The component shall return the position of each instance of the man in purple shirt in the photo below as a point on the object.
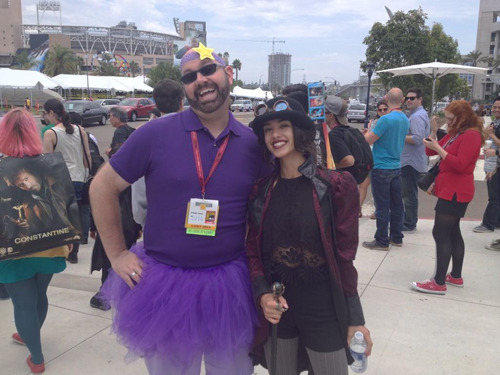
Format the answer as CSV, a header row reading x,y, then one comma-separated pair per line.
x,y
185,291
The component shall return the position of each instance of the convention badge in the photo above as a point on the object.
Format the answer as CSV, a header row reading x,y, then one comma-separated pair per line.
x,y
202,216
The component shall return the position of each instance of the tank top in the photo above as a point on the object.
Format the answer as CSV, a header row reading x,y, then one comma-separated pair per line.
x,y
70,146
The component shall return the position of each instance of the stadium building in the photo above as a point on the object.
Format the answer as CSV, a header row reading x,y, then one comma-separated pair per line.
x,y
119,45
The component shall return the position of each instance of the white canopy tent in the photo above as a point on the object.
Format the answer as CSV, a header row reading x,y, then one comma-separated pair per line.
x,y
24,79
257,93
108,83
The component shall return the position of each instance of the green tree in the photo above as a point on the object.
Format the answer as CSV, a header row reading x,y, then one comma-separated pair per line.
x,y
406,40
134,68
164,70
106,69
60,60
237,82
236,66
23,61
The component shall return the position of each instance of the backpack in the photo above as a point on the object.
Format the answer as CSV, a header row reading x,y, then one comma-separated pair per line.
x,y
361,151
95,156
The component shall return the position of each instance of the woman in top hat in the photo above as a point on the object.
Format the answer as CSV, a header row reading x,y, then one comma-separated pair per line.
x,y
303,233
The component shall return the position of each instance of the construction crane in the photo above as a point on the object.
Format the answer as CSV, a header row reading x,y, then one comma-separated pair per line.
x,y
263,41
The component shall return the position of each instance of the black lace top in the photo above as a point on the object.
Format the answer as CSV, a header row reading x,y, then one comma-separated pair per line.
x,y
292,250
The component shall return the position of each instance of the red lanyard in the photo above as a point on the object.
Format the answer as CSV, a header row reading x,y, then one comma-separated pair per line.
x,y
199,166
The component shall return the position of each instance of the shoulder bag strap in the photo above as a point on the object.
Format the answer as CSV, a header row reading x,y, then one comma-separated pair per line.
x,y
56,137
83,148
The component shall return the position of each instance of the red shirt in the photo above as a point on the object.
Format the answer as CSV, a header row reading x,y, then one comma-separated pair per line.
x,y
456,171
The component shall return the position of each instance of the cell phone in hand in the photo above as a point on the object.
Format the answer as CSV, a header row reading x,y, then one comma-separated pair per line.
x,y
428,139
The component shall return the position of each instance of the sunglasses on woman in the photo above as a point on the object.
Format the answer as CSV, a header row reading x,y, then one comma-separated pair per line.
x,y
206,71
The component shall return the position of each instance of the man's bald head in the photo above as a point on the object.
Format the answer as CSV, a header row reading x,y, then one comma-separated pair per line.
x,y
395,97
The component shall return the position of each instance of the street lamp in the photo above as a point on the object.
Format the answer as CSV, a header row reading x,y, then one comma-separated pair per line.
x,y
87,70
370,65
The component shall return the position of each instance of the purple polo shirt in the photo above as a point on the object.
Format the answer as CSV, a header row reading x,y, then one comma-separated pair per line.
x,y
162,152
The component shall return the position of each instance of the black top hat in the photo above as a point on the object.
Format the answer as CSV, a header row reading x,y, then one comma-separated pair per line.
x,y
283,108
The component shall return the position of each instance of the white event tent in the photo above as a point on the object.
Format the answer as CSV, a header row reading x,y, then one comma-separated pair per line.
x,y
257,93
24,79
108,83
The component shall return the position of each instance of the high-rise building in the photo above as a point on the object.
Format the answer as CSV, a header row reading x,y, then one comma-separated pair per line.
x,y
10,30
488,43
280,68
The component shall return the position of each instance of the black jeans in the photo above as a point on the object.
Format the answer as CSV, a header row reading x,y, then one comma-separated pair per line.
x,y
491,214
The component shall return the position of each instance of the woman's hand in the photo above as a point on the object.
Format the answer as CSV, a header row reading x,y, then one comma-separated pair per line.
x,y
489,152
431,143
272,309
366,333
430,190
434,125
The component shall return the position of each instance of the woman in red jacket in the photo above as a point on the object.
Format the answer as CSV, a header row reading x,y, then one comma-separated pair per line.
x,y
303,232
454,187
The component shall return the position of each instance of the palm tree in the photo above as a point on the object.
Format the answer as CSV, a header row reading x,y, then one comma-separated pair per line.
x,y
60,60
106,69
134,68
23,61
474,57
237,67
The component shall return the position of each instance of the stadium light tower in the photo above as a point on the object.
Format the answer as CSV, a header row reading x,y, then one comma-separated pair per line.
x,y
51,6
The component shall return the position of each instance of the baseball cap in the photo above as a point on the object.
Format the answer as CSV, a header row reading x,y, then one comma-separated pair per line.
x,y
338,107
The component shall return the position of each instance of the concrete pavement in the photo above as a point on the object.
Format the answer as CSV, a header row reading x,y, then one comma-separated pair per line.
x,y
414,333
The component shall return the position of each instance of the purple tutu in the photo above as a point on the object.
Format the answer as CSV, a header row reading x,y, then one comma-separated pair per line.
x,y
177,312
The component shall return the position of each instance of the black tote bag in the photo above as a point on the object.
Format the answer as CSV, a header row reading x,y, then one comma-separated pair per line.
x,y
38,208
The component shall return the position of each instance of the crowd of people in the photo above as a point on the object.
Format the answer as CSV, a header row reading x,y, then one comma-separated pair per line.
x,y
200,285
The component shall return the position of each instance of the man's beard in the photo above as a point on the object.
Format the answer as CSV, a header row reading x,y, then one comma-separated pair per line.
x,y
214,105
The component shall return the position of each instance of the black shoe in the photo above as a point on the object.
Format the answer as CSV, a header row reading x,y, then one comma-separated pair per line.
x,y
374,245
98,303
73,258
85,241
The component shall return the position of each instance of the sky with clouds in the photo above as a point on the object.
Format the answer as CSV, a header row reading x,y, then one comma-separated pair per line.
x,y
325,38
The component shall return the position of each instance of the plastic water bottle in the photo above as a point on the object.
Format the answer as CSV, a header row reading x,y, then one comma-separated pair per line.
x,y
358,348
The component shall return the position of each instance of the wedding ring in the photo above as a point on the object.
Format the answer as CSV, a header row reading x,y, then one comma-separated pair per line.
x,y
279,307
133,274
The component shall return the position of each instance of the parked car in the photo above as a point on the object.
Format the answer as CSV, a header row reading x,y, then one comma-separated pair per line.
x,y
90,111
107,103
356,112
137,107
241,105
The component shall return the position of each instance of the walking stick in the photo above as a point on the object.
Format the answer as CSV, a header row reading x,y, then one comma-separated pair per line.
x,y
278,290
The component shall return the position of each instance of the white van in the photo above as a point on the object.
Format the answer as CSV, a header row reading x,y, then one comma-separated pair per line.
x,y
440,106
241,105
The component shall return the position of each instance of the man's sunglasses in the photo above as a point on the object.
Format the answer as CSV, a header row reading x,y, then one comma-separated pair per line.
x,y
382,109
206,71
410,98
